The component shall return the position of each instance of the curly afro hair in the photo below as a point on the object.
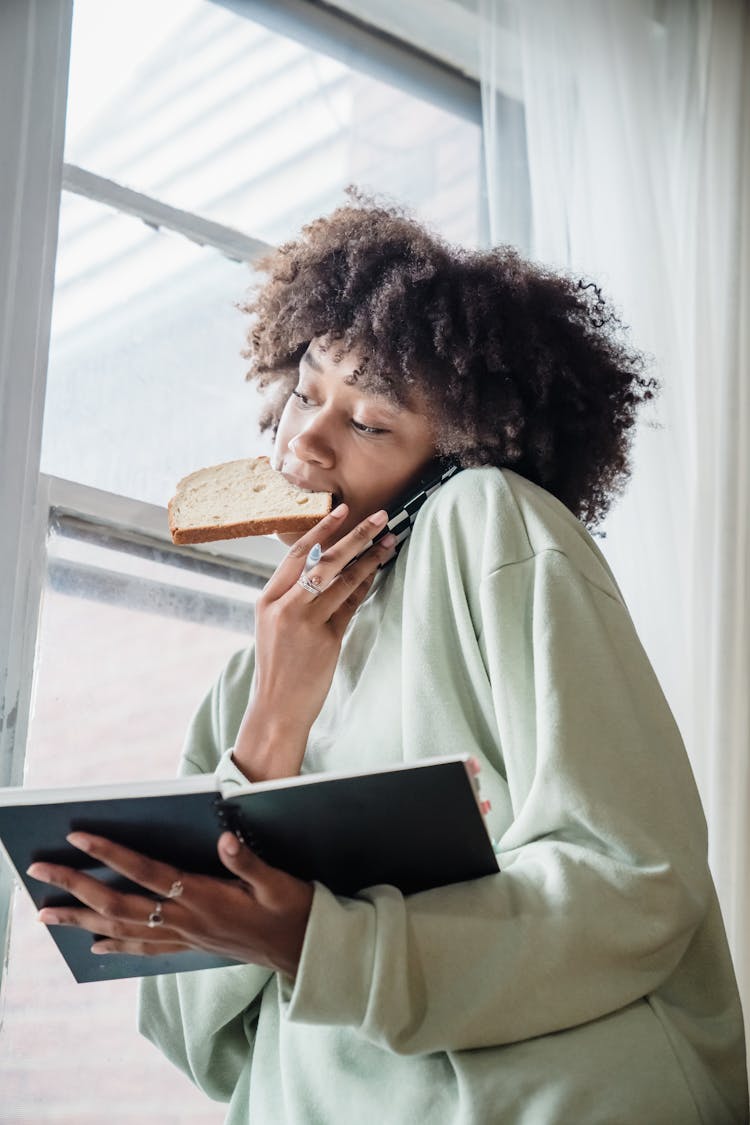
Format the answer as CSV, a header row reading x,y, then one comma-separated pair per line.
x,y
521,366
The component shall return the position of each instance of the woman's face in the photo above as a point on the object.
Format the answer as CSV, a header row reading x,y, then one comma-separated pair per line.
x,y
335,437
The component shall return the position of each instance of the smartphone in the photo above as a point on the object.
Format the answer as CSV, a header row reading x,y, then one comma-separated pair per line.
x,y
403,511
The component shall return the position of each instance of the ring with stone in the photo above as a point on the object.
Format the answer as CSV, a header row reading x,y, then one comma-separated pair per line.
x,y
309,584
156,917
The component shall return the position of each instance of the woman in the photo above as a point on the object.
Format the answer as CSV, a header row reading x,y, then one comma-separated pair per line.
x,y
590,980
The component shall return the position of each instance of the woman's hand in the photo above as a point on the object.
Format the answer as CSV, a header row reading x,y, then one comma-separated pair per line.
x,y
260,917
298,637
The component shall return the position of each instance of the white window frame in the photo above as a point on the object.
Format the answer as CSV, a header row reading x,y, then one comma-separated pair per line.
x,y
34,57
35,38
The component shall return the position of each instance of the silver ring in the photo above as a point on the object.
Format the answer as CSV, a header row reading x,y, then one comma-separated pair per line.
x,y
156,918
176,889
308,585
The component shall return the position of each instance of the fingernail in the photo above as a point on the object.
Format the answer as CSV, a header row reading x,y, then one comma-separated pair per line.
x,y
78,840
379,517
99,948
232,845
37,871
340,510
388,540
48,917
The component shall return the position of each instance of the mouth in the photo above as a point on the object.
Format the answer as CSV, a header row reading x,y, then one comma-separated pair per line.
x,y
306,485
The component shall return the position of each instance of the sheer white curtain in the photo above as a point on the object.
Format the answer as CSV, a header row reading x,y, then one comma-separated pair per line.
x,y
637,117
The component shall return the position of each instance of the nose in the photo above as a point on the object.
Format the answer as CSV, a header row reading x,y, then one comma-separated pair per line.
x,y
313,446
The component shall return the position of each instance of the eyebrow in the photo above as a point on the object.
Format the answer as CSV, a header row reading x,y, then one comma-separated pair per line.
x,y
312,360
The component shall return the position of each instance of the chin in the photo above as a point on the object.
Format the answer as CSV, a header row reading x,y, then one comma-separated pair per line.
x,y
288,538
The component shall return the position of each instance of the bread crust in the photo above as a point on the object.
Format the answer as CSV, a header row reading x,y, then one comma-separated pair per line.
x,y
209,533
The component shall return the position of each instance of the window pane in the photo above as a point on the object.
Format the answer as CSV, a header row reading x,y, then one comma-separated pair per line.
x,y
145,380
115,688
213,113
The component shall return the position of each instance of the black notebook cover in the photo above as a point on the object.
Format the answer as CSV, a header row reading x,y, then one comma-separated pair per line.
x,y
412,826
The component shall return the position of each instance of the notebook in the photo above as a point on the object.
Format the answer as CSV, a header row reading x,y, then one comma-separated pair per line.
x,y
414,826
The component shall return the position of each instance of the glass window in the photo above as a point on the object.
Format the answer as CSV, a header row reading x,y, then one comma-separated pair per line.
x,y
145,380
213,113
207,111
127,649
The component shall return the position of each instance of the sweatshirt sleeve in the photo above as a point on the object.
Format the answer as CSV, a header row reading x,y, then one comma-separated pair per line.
x,y
603,878
204,1022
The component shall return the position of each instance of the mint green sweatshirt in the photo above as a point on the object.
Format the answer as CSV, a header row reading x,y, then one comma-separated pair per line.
x,y
590,980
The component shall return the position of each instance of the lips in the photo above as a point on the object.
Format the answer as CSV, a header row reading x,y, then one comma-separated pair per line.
x,y
301,482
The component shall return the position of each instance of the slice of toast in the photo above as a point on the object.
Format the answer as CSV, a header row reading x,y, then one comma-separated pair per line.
x,y
241,498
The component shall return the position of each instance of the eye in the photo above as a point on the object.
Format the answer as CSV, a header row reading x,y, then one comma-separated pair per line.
x,y
306,402
367,429
302,399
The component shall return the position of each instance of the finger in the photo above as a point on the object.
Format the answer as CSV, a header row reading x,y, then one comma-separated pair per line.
x,y
106,902
155,876
137,948
345,612
344,590
243,862
355,543
268,885
340,557
290,567
84,919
